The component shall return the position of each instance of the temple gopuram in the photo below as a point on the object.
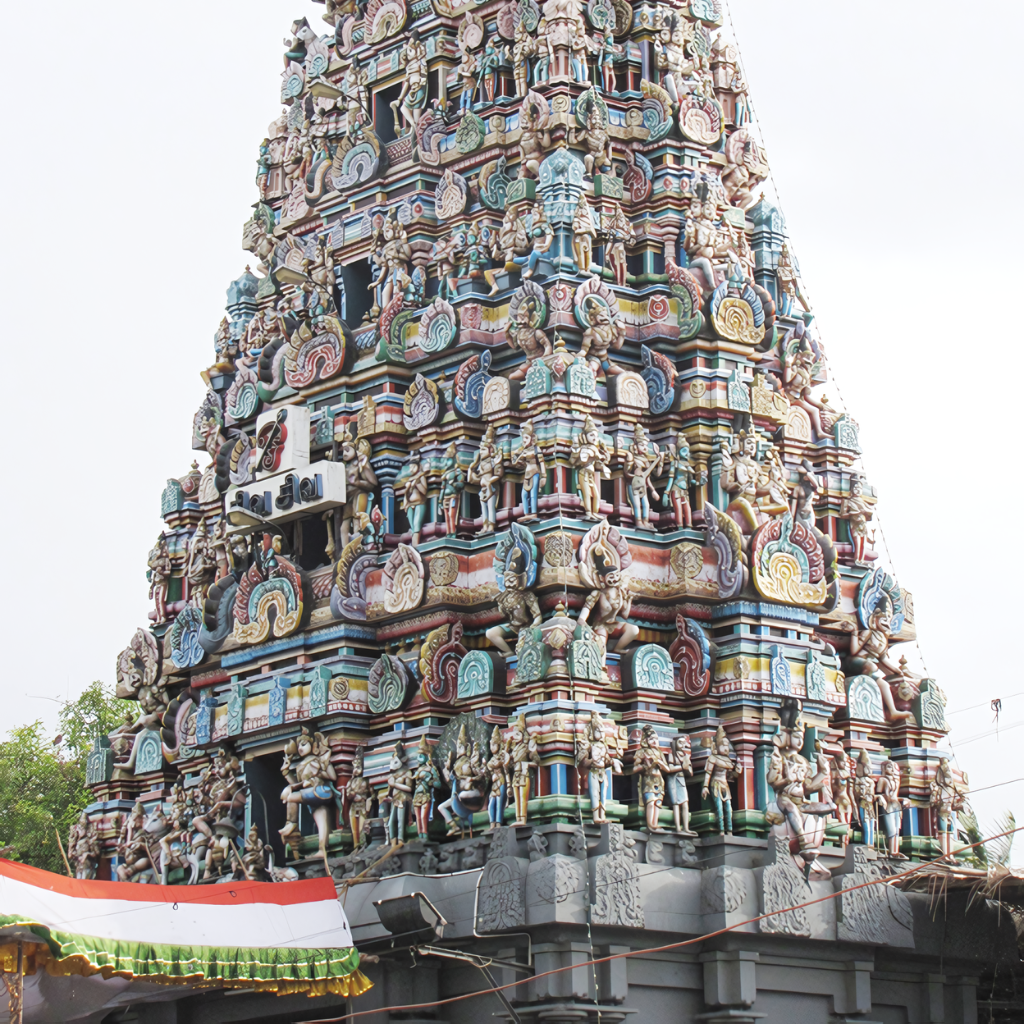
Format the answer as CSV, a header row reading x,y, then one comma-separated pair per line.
x,y
524,582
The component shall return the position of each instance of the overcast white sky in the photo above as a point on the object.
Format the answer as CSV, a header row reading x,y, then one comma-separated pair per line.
x,y
895,139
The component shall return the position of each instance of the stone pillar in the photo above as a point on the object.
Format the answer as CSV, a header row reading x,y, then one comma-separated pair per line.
x,y
856,994
730,985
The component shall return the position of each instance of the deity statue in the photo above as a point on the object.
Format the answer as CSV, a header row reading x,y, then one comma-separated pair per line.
x,y
791,775
807,488
486,470
253,861
540,236
891,807
947,797
797,383
200,564
701,240
264,329
523,757
414,501
84,847
788,282
360,799
595,758
397,794
608,52
856,509
132,848
639,465
515,566
720,769
263,164
750,484
603,558
159,562
530,459
864,796
535,133
453,483
490,61
681,476
497,771
773,484
412,100
360,480
677,70
466,70
869,654
392,258
357,100
618,232
523,332
605,331
678,757
222,795
842,771
524,46
652,767
583,234
425,779
311,777
598,157
467,777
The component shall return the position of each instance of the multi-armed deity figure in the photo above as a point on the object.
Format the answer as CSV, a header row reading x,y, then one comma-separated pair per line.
x,y
592,458
720,769
603,559
84,847
794,780
467,777
486,470
311,782
681,476
596,757
515,568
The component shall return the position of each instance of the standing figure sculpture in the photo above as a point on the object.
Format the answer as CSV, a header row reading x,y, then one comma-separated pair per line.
x,y
856,509
311,777
947,797
583,234
652,767
412,100
864,796
891,807
414,503
398,794
84,847
497,773
360,481
523,757
639,465
595,757
159,577
679,758
453,483
529,458
842,770
360,799
681,476
618,232
591,457
486,470
719,770
425,779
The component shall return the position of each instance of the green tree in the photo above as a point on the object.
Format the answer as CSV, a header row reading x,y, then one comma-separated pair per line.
x,y
42,779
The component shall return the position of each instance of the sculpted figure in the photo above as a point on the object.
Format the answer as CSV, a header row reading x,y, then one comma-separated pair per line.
x,y
524,46
797,382
891,807
595,758
201,564
869,654
757,490
801,502
598,157
606,331
414,502
679,799
467,72
701,239
864,795
360,799
540,236
357,100
788,283
523,333
681,476
523,757
84,847
425,779
610,600
618,232
159,576
311,777
856,509
639,466
497,773
222,797
591,457
773,484
677,69
466,775
719,770
412,100
529,458
947,797
516,567
842,770
398,793
652,767
132,848
535,134
486,470
453,483
392,258
360,480
583,234
791,776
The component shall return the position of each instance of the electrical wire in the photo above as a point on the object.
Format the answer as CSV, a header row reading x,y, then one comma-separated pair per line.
x,y
660,949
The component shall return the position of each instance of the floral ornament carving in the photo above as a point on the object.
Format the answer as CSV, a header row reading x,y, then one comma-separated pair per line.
x,y
387,685
273,597
737,313
422,406
471,379
700,119
450,195
788,563
727,541
403,580
691,651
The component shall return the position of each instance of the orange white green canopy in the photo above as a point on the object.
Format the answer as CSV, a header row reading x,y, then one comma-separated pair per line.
x,y
286,937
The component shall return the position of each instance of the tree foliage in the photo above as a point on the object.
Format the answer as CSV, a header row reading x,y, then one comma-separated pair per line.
x,y
42,778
